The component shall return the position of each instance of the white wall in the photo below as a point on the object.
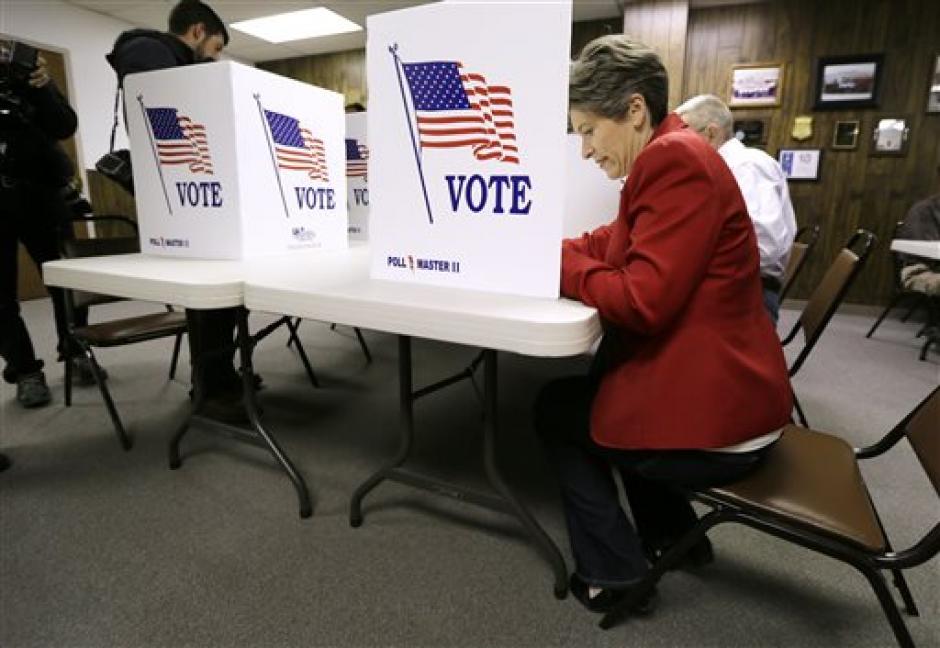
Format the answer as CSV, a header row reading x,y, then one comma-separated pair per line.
x,y
84,37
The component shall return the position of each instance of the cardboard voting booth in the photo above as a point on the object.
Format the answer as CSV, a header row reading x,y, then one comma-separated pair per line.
x,y
233,162
357,176
467,140
591,198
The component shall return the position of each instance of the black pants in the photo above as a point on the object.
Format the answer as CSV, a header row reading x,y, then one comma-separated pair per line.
x,y
211,339
33,215
608,552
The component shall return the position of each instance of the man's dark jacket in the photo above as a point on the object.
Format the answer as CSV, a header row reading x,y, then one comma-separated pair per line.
x,y
30,129
922,223
141,50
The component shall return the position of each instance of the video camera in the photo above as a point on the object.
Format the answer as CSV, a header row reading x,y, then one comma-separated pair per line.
x,y
17,62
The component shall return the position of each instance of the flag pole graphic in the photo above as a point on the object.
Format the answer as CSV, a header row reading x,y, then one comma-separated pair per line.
x,y
394,51
267,135
153,147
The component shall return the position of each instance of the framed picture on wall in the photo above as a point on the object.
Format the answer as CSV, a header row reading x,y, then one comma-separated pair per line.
x,y
800,164
848,81
933,92
751,132
890,136
845,134
756,85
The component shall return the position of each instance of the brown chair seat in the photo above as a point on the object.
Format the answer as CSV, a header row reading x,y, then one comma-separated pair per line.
x,y
812,479
133,329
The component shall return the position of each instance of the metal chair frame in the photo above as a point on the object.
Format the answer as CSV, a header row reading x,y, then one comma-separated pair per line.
x,y
867,241
870,564
85,345
792,273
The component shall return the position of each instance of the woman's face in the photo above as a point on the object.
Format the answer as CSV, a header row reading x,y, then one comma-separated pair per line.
x,y
614,145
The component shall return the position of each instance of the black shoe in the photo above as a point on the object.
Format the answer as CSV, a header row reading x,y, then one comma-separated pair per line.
x,y
698,556
32,390
225,410
609,597
82,373
4,462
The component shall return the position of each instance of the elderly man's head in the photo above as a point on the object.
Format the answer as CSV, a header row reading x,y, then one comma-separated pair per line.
x,y
617,94
708,116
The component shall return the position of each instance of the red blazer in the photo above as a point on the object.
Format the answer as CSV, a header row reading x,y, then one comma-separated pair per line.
x,y
676,280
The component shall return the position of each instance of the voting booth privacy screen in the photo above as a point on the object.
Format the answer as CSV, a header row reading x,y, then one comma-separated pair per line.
x,y
467,140
233,162
357,176
591,198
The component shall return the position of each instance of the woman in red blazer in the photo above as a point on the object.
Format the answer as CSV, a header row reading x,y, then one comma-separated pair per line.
x,y
689,387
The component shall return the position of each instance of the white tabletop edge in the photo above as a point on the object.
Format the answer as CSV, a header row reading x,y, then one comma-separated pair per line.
x,y
558,337
136,276
926,249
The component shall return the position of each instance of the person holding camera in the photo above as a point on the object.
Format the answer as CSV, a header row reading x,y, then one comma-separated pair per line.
x,y
196,35
34,177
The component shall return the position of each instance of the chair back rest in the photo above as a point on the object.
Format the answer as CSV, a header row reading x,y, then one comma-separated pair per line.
x,y
923,432
73,248
830,292
799,253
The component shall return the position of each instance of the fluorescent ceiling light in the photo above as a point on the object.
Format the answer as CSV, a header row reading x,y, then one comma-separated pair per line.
x,y
296,25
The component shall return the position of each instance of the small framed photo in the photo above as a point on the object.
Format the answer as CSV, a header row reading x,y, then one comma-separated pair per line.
x,y
845,135
756,85
890,136
848,81
800,164
933,93
751,132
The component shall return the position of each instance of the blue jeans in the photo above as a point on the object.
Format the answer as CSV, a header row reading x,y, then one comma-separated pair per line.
x,y
772,304
608,551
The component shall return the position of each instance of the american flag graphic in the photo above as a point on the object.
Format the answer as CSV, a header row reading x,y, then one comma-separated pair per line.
x,y
180,140
357,156
456,108
296,147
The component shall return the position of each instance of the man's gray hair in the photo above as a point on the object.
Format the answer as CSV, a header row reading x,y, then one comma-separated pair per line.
x,y
610,69
698,112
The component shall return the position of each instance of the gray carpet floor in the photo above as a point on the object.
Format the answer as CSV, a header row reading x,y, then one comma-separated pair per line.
x,y
99,547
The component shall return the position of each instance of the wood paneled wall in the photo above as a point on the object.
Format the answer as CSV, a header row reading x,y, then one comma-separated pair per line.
x,y
343,72
662,24
855,189
585,31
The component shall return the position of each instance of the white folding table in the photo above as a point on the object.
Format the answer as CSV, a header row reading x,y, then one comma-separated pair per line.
x,y
335,287
195,284
925,249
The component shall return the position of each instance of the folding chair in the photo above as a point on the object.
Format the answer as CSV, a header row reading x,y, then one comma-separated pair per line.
x,y
799,253
112,333
914,299
826,298
810,491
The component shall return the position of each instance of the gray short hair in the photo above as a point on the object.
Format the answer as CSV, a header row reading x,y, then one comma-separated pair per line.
x,y
610,69
698,112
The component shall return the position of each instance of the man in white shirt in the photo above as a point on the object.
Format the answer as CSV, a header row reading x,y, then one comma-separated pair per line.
x,y
762,183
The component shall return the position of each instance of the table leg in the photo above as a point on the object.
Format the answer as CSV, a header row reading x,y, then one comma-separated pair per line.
x,y
505,501
245,346
198,395
258,435
405,427
490,431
